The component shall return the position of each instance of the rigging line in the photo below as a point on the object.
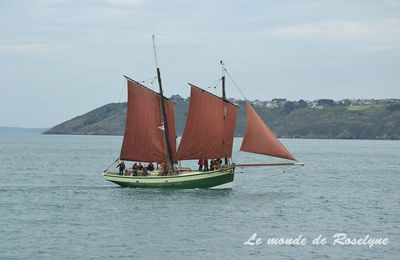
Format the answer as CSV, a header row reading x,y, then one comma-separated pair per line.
x,y
109,147
234,83
288,170
279,173
152,84
285,170
119,101
120,95
110,151
251,171
111,164
215,84
146,80
152,80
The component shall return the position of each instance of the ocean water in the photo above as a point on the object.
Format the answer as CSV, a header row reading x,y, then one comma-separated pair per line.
x,y
55,204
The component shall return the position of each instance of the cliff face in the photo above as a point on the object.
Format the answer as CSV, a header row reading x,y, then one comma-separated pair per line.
x,y
105,120
333,121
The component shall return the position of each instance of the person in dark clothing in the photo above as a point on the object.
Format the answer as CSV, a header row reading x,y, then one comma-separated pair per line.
x,y
150,167
144,171
164,169
121,167
219,162
200,163
205,164
134,169
213,164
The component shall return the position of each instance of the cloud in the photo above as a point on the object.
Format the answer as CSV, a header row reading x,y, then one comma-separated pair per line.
x,y
128,2
372,35
391,2
28,48
381,48
191,39
387,28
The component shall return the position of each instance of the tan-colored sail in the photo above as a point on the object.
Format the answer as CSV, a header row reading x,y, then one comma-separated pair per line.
x,y
144,139
209,128
258,138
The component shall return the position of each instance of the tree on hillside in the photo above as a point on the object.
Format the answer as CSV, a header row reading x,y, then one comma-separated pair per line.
x,y
301,104
326,102
288,107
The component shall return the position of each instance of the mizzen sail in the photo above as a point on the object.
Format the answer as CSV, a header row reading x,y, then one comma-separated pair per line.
x,y
144,138
209,128
258,138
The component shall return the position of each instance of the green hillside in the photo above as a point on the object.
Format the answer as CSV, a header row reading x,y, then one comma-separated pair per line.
x,y
299,119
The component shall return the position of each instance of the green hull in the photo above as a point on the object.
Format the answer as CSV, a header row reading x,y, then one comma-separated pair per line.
x,y
189,180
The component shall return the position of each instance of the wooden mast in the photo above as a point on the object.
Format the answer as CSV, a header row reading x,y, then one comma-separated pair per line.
x,y
223,94
223,81
164,116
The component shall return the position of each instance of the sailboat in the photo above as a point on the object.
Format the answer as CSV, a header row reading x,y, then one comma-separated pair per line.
x,y
208,134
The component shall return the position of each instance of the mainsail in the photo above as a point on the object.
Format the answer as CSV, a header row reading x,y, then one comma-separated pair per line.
x,y
209,128
258,138
144,138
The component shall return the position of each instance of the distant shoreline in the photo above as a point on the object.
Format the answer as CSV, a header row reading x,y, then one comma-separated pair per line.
x,y
320,119
280,137
11,129
42,131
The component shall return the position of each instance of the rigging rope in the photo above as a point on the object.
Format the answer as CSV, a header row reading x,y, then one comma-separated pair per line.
x,y
286,170
122,91
109,147
111,164
234,83
215,84
119,101
146,80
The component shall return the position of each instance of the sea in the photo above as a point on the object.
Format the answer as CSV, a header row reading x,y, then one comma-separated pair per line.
x,y
344,203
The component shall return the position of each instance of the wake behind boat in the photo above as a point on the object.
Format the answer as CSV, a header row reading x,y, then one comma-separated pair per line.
x,y
208,135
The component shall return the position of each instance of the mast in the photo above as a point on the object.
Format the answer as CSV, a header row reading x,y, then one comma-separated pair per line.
x,y
164,115
223,80
223,95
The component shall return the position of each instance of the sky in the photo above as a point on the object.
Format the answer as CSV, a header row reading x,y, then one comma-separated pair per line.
x,y
62,58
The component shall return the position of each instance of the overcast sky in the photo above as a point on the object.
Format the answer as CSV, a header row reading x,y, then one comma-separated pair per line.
x,y
62,58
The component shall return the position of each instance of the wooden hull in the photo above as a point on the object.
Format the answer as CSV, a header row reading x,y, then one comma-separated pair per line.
x,y
189,180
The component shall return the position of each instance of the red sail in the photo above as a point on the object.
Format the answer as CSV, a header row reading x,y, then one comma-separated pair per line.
x,y
144,138
209,128
258,138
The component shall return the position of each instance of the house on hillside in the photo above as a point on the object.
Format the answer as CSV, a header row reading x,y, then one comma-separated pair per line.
x,y
315,105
